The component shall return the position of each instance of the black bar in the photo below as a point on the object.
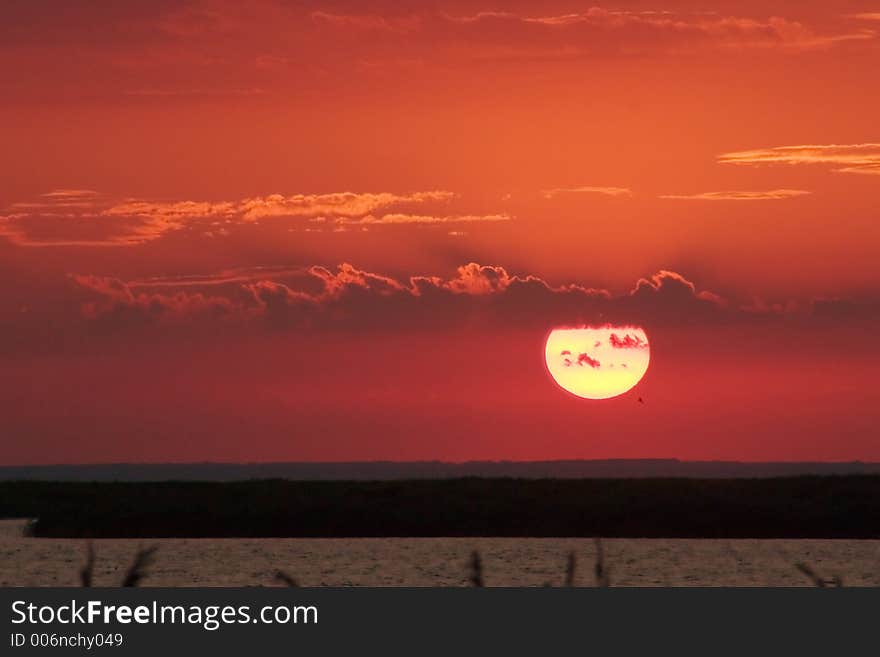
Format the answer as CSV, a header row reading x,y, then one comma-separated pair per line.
x,y
464,621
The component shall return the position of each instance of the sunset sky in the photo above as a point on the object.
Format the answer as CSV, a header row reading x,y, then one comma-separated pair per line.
x,y
342,231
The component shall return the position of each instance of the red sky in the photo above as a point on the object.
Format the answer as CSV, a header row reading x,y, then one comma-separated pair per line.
x,y
340,231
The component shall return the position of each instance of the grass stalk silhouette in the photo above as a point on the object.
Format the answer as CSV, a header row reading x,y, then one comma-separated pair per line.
x,y
285,579
138,569
835,581
476,567
133,576
145,557
570,569
88,569
600,570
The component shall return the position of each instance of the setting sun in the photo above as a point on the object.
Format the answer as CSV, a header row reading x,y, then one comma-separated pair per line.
x,y
597,363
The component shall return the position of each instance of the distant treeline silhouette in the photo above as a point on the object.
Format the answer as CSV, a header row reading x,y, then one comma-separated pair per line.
x,y
385,470
793,507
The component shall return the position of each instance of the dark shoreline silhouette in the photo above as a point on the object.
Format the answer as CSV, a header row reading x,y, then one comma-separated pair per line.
x,y
788,507
390,470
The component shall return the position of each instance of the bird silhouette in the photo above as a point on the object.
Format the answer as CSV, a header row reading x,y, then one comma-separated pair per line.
x,y
641,401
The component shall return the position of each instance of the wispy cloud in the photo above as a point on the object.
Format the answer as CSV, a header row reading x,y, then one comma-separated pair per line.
x,y
391,219
71,193
68,217
770,195
368,22
847,158
346,204
222,50
256,91
596,30
605,191
59,199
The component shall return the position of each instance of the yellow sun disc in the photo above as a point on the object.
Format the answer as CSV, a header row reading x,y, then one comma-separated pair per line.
x,y
597,363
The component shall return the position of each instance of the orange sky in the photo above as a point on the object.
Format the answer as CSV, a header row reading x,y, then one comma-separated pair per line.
x,y
239,232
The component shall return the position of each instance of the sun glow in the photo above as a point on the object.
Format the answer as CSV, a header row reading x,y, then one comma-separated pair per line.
x,y
597,363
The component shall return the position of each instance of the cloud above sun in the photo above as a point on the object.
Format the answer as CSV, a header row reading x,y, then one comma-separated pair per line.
x,y
391,219
350,299
500,34
843,158
605,191
225,51
87,218
770,195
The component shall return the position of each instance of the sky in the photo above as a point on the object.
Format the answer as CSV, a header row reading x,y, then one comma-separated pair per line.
x,y
340,231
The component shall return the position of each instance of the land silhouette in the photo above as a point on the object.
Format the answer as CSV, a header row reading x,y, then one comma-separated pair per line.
x,y
782,507
389,470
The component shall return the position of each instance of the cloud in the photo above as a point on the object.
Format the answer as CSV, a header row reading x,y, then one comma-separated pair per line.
x,y
197,92
585,359
606,191
72,194
223,50
85,218
117,301
58,200
64,225
223,277
628,341
348,298
390,219
867,16
368,22
350,301
498,34
346,204
771,195
343,204
846,158
668,290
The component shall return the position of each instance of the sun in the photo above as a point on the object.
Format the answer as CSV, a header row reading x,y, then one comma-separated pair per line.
x,y
597,362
